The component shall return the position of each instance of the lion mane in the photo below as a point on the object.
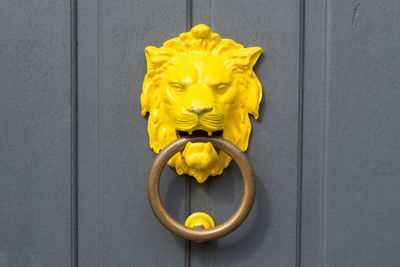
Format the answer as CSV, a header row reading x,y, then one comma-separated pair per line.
x,y
237,126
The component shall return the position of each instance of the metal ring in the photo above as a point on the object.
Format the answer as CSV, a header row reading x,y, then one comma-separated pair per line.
x,y
249,189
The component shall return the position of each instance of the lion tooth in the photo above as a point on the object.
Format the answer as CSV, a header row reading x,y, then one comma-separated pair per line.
x,y
190,132
209,133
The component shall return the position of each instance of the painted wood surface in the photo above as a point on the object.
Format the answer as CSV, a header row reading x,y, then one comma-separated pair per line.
x,y
35,133
350,211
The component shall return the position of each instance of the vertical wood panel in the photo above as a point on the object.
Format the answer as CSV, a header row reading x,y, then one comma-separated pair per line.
x,y
268,236
35,135
353,116
117,226
88,134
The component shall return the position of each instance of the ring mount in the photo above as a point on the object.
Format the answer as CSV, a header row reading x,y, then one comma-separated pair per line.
x,y
201,235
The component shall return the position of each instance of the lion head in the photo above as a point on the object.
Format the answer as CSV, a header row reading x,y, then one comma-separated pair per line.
x,y
200,84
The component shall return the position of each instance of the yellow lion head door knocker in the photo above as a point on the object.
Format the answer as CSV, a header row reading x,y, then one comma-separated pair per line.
x,y
200,85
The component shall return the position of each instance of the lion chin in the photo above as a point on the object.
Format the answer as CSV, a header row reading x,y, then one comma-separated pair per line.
x,y
199,84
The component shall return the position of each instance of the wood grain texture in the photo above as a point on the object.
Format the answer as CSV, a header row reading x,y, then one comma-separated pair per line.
x,y
117,226
35,135
268,236
352,145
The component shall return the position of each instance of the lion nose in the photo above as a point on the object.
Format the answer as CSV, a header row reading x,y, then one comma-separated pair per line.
x,y
198,111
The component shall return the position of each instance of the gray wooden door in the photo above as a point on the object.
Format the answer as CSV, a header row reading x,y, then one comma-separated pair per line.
x,y
74,151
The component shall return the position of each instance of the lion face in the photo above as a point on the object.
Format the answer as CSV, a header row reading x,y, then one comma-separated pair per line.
x,y
199,84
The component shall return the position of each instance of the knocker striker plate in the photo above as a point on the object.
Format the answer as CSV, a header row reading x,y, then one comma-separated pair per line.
x,y
221,230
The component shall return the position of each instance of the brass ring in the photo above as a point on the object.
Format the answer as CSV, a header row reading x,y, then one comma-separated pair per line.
x,y
249,189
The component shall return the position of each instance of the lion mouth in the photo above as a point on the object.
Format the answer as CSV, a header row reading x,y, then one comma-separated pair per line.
x,y
199,133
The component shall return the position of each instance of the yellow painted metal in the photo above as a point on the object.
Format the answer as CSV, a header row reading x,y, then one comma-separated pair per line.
x,y
200,84
200,220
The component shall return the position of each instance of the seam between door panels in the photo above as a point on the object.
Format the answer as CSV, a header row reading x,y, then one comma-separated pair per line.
x,y
74,131
99,134
300,132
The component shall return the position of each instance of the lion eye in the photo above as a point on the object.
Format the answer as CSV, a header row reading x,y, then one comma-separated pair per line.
x,y
221,89
177,88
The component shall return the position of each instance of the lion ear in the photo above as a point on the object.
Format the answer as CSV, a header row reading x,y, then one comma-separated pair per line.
x,y
150,51
151,54
245,58
157,57
251,55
